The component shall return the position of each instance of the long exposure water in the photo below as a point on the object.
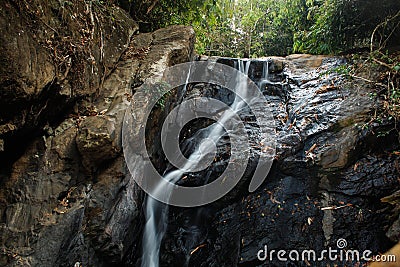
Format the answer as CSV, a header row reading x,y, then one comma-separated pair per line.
x,y
156,213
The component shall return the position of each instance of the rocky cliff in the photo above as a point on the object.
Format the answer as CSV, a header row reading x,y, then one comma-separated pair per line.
x,y
68,73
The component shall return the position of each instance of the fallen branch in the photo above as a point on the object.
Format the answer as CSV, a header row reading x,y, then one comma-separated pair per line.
x,y
382,63
367,80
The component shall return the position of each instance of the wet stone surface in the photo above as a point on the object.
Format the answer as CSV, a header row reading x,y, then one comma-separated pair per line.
x,y
325,184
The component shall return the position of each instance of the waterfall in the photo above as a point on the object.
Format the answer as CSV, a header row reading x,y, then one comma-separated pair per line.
x,y
156,213
265,74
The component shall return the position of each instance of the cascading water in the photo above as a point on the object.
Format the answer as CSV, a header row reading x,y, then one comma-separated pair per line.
x,y
264,78
156,213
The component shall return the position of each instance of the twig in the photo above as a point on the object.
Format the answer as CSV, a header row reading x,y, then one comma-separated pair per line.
x,y
151,7
49,26
378,26
366,80
382,63
391,33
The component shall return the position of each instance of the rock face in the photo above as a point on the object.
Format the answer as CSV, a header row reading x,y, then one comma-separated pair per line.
x,y
66,196
96,141
53,53
326,183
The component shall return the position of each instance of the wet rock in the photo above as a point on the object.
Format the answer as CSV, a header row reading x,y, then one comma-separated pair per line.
x,y
325,184
337,155
302,63
277,64
394,230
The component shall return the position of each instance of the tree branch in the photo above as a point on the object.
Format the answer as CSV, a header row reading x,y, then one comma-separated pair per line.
x,y
380,25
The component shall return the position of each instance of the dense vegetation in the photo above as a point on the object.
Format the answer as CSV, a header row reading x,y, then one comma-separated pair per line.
x,y
251,28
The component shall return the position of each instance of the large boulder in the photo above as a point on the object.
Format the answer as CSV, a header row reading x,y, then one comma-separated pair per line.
x,y
95,141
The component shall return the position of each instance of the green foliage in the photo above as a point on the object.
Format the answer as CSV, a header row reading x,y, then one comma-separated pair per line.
x,y
161,13
343,70
386,78
254,28
339,25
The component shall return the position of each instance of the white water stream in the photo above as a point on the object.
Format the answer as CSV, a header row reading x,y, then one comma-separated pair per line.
x,y
156,213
